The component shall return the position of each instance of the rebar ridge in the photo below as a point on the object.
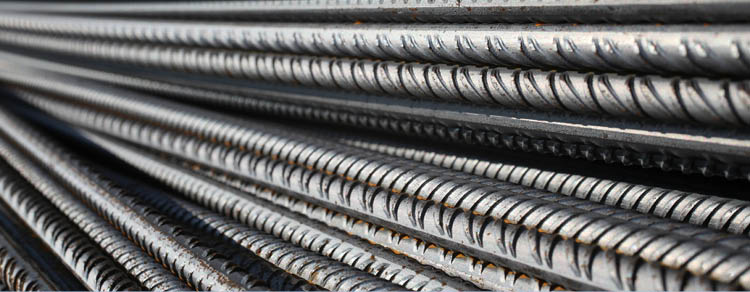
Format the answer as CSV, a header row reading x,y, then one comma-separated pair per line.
x,y
627,11
484,274
698,101
693,50
327,272
711,211
283,231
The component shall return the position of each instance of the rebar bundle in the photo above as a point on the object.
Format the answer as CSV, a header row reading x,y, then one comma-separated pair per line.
x,y
401,145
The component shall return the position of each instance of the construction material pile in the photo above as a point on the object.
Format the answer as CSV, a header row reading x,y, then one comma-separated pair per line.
x,y
375,145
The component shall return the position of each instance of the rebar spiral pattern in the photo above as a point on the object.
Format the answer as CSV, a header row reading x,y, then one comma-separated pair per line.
x,y
217,156
663,11
79,252
352,145
695,50
138,264
696,100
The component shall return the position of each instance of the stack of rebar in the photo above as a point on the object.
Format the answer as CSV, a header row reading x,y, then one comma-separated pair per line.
x,y
424,145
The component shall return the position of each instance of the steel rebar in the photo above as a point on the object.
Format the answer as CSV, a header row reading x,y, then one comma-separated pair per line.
x,y
693,50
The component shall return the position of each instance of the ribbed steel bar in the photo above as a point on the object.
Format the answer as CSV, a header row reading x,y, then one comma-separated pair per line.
x,y
279,222
196,243
693,50
484,275
49,272
620,11
80,254
149,273
463,230
276,279
118,127
419,180
722,152
697,101
318,269
329,107
280,145
715,212
323,271
336,277
215,157
109,202
17,268
314,236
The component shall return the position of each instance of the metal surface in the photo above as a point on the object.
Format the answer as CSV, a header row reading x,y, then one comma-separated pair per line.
x,y
109,202
359,199
154,243
426,181
281,223
421,145
712,211
697,101
82,256
485,275
622,11
137,263
16,266
723,152
693,50
202,151
30,262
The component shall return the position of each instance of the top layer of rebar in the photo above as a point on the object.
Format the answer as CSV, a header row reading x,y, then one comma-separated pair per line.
x,y
505,11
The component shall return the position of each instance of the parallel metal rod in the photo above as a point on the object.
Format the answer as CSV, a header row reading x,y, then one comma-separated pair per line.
x,y
318,269
284,224
17,268
315,267
188,265
323,271
485,275
697,101
676,147
50,270
337,278
620,11
144,268
466,194
465,199
312,105
457,231
190,154
730,215
717,50
80,254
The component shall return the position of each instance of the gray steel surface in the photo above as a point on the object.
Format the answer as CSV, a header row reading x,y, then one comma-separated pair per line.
x,y
420,145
